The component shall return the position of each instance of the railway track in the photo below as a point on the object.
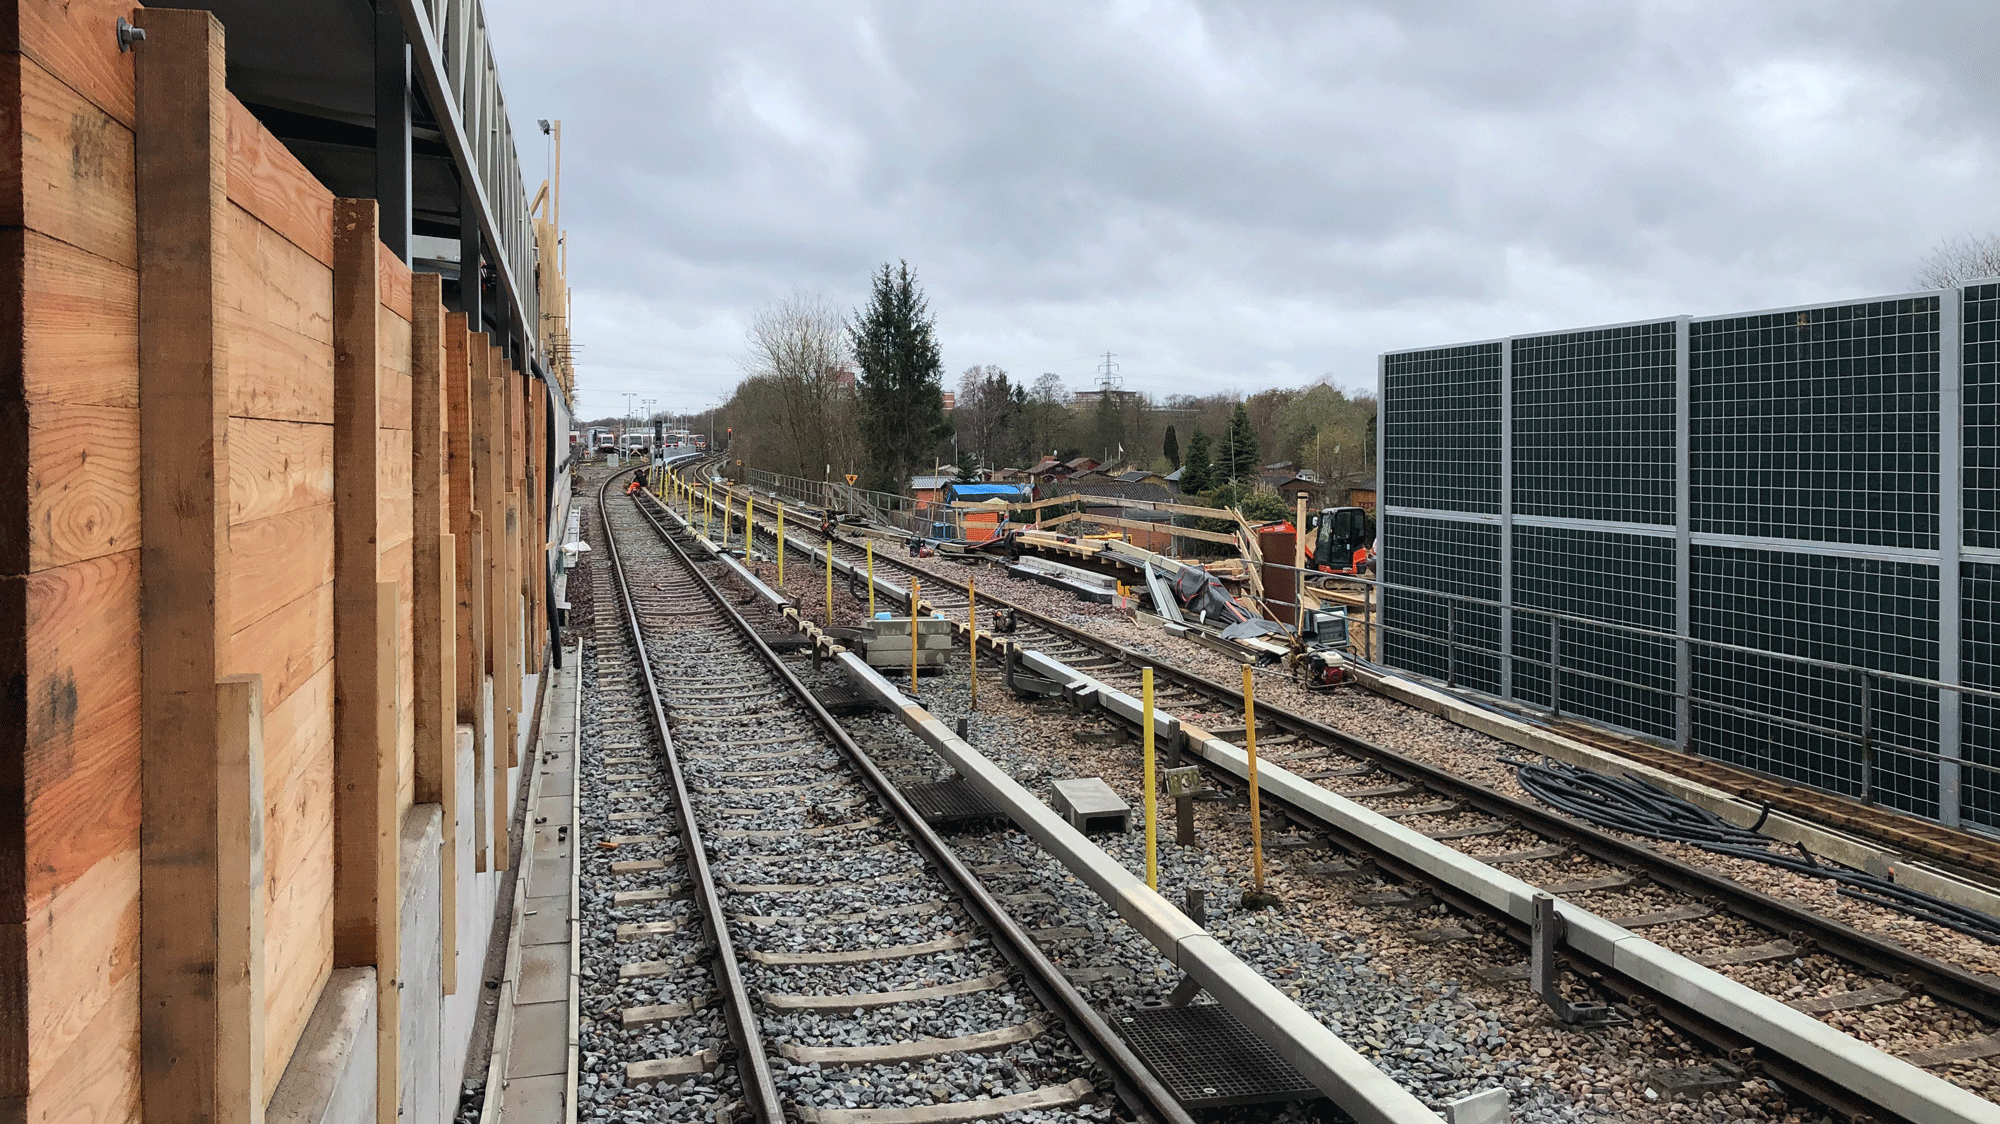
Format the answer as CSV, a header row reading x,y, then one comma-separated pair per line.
x,y
1769,944
788,935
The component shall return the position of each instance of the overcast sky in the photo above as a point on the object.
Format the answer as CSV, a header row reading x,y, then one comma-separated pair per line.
x,y
1233,196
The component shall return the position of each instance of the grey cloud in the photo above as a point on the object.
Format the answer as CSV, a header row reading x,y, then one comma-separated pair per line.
x,y
1231,195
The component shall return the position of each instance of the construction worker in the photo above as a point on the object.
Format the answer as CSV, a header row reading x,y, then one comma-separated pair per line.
x,y
635,487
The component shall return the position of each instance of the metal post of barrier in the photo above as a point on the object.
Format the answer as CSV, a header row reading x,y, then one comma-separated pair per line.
x,y
972,631
1256,819
829,583
1556,666
781,548
1867,684
913,638
1152,797
870,547
1451,645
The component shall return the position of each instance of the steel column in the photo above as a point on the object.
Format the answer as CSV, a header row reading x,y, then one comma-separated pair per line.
x,y
1683,535
1951,537
392,130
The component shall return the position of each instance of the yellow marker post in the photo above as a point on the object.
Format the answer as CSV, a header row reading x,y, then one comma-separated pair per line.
x,y
829,583
749,523
871,579
913,638
707,510
1250,747
1152,785
972,624
781,547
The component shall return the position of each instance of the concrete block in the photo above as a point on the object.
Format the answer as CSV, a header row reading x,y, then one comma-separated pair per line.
x,y
331,1077
420,1053
1090,805
1488,1106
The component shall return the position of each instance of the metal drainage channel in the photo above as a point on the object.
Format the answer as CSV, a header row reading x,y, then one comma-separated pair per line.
x,y
1943,982
1137,1087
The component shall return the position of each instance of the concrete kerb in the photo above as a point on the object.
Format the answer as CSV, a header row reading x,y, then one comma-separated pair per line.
x,y
1854,1065
1352,1081
573,657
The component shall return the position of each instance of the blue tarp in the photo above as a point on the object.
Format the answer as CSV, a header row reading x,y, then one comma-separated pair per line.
x,y
975,493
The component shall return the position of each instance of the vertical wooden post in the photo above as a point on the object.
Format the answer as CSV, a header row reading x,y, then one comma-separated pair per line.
x,y
434,637
182,198
482,745
488,417
460,378
365,831
239,918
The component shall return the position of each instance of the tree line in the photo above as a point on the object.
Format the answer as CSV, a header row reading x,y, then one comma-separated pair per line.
x,y
825,394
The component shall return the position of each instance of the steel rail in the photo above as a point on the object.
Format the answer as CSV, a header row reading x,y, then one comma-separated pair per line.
x,y
1943,982
753,1064
1142,1092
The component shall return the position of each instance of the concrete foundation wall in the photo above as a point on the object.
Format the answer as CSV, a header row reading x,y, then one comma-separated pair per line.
x,y
421,972
331,1078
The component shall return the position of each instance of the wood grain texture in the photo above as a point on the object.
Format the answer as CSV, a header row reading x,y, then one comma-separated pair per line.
x,y
277,560
435,596
394,514
395,568
99,1076
79,323
82,952
298,857
388,848
278,304
183,394
83,482
395,282
289,645
362,766
76,169
393,357
278,466
69,41
267,181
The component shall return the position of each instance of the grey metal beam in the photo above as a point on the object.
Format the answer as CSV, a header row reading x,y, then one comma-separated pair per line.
x,y
1683,530
392,131
1506,597
1951,537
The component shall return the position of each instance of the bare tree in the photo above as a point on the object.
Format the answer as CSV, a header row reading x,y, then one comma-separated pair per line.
x,y
1958,260
985,412
798,355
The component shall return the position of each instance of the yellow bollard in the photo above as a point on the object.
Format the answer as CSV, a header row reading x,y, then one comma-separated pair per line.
x,y
972,625
913,638
749,524
871,579
1250,747
781,548
829,583
707,510
1152,785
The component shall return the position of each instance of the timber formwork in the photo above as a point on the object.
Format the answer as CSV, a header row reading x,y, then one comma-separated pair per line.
x,y
272,551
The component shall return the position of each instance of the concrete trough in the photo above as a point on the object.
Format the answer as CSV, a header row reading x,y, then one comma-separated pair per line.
x,y
1352,1081
1847,1061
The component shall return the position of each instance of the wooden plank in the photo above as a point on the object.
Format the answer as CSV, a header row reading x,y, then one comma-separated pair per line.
x,y
298,860
277,467
436,706
79,323
276,560
83,468
69,40
482,757
77,169
462,508
363,766
395,281
1155,528
394,359
288,646
279,302
239,919
388,850
488,430
445,710
183,391
266,180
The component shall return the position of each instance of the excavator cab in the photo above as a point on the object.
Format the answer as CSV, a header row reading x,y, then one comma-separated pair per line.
x,y
1334,534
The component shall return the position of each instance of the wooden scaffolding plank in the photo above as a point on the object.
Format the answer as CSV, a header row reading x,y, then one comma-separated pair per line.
x,y
239,919
435,635
184,475
488,422
366,827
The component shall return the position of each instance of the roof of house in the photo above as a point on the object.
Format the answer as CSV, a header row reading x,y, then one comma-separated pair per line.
x,y
977,492
1174,477
1139,474
929,483
1083,463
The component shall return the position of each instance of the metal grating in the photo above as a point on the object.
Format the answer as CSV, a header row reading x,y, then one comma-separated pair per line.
x,y
1441,428
1207,1058
1820,424
1442,556
1981,371
1979,655
1594,432
951,803
1608,675
843,699
1798,721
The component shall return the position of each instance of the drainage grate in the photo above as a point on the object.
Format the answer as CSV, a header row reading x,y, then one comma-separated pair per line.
x,y
1206,1058
841,700
953,802
785,641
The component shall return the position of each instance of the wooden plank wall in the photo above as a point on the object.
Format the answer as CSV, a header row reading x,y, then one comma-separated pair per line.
x,y
71,474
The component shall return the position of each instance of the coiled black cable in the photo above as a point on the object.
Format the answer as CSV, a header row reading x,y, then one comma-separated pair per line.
x,y
1636,806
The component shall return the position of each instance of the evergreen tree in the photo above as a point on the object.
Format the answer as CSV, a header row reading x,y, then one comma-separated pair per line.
x,y
1196,470
1172,447
968,468
902,378
1239,447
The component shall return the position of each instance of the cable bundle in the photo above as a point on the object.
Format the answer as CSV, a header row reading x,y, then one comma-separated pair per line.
x,y
1635,806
